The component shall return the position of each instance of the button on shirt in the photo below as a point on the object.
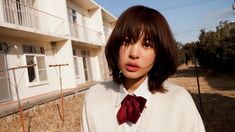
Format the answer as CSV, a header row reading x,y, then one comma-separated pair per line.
x,y
142,91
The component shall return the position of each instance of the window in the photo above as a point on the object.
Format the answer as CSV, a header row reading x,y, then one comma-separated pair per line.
x,y
86,64
33,49
37,73
31,70
74,15
42,72
75,60
5,93
3,47
35,55
19,11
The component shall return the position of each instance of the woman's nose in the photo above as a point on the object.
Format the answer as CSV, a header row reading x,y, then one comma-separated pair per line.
x,y
134,51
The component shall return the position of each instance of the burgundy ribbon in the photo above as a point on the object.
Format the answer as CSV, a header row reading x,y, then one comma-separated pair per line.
x,y
131,109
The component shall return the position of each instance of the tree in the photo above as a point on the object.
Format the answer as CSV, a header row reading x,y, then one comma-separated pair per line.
x,y
216,50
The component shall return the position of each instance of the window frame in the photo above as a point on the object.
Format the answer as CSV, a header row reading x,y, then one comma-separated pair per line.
x,y
6,78
44,67
3,47
36,70
87,69
76,67
74,15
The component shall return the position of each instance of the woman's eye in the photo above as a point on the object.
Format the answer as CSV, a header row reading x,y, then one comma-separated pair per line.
x,y
147,44
127,40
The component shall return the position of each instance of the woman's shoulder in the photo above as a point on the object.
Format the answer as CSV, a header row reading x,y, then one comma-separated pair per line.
x,y
177,92
101,94
102,88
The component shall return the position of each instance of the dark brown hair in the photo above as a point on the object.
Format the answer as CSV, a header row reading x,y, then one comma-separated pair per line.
x,y
132,23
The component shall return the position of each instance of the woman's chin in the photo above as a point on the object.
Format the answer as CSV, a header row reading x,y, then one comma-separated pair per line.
x,y
133,75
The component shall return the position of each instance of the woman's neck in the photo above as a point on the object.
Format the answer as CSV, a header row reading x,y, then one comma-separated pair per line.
x,y
132,84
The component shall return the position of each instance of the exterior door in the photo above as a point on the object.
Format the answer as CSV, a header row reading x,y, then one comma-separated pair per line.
x,y
73,22
86,65
5,93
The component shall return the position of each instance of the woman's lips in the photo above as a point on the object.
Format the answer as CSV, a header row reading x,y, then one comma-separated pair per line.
x,y
132,67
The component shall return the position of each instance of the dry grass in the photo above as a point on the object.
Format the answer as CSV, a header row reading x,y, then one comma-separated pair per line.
x,y
46,118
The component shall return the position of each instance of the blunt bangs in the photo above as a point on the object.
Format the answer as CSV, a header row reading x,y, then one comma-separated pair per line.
x,y
137,23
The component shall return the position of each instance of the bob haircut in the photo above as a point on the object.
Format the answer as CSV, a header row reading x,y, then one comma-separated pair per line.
x,y
134,22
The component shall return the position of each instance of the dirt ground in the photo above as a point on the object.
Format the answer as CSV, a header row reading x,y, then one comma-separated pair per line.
x,y
217,106
46,117
217,96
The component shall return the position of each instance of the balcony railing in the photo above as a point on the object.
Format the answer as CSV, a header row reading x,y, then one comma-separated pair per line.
x,y
85,34
27,17
107,33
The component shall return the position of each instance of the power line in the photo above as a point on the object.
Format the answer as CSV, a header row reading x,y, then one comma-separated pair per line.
x,y
194,30
187,4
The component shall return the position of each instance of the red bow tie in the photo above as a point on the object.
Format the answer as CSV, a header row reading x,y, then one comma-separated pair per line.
x,y
131,109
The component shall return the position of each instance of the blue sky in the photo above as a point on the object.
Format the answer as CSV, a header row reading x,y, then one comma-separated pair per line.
x,y
185,17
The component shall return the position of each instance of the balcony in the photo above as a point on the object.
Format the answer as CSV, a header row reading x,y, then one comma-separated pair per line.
x,y
86,35
107,33
23,20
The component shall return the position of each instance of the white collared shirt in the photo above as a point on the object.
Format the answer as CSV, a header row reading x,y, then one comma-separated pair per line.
x,y
142,91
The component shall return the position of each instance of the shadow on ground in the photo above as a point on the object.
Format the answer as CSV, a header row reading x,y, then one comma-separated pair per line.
x,y
186,72
218,81
218,112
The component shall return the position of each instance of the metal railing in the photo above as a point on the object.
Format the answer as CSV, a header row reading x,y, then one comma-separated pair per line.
x,y
106,37
25,15
85,34
107,33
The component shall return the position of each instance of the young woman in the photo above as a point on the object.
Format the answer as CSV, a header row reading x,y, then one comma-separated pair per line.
x,y
141,54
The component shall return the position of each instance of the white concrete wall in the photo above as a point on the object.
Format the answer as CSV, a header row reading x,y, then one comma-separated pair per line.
x,y
16,58
95,22
1,11
64,48
78,8
58,9
62,54
95,66
93,19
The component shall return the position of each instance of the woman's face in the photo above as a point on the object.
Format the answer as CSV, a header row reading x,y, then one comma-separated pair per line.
x,y
136,59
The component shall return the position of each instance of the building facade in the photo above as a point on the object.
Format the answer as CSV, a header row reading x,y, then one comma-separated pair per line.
x,y
41,42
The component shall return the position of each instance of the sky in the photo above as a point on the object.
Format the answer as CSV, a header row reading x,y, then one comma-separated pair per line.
x,y
185,17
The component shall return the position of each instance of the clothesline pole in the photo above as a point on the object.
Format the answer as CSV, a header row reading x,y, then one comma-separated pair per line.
x,y
61,90
17,92
19,102
198,88
198,83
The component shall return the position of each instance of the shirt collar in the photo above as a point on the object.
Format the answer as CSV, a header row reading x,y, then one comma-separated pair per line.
x,y
142,91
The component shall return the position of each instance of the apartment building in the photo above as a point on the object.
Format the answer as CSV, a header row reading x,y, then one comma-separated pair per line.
x,y
62,37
